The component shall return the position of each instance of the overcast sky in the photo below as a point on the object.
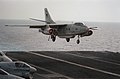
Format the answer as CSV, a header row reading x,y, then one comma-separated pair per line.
x,y
67,10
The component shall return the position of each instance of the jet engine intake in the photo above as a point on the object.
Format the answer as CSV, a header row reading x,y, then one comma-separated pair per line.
x,y
52,31
88,33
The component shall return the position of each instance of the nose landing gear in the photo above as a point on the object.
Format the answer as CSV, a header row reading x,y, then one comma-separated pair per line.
x,y
78,40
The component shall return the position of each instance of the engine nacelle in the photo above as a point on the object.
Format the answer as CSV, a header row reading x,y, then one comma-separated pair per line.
x,y
90,32
50,31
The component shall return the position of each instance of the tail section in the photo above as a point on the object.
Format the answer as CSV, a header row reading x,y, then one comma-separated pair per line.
x,y
48,18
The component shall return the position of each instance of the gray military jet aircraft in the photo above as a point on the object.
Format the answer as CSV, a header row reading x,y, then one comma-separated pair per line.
x,y
6,75
65,30
18,68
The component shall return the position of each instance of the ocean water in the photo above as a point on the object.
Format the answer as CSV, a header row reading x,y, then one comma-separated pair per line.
x,y
106,38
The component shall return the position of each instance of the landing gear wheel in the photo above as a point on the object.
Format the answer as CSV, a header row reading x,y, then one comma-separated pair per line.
x,y
78,41
53,38
67,39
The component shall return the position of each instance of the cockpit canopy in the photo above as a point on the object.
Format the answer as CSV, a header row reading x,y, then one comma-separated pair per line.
x,y
21,65
78,24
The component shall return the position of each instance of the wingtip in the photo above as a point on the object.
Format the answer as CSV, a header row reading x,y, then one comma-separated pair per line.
x,y
45,8
30,18
6,25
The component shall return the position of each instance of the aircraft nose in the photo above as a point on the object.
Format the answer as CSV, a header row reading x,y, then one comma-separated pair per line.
x,y
86,28
32,69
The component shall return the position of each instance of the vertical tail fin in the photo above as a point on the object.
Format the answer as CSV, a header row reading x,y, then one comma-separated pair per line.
x,y
48,18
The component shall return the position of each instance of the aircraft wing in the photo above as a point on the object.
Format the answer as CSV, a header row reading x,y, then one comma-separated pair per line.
x,y
39,26
17,25
50,25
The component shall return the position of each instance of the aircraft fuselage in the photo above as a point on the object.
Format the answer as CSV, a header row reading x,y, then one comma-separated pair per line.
x,y
68,31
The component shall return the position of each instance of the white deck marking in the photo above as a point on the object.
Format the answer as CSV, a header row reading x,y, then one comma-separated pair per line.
x,y
54,73
98,70
93,59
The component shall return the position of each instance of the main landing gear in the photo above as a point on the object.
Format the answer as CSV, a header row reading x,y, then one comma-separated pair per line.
x,y
53,37
78,40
